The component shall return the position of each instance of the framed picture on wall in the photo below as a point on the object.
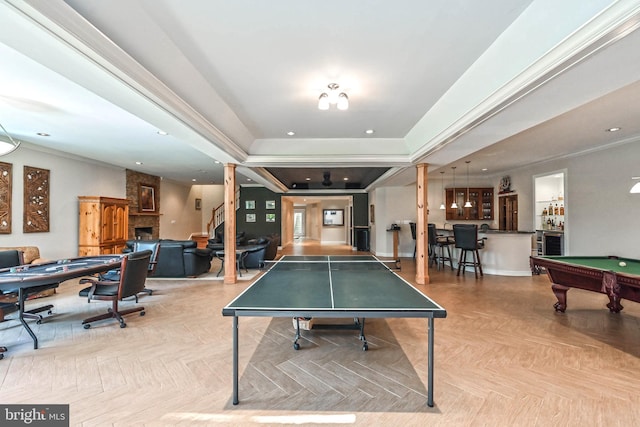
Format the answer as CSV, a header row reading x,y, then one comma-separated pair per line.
x,y
332,217
147,198
250,204
270,217
198,204
270,204
250,218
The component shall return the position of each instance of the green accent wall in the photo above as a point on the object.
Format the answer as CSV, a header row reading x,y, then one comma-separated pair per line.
x,y
258,198
360,210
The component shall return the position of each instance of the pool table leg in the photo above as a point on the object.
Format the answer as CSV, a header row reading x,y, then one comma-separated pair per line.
x,y
614,304
561,294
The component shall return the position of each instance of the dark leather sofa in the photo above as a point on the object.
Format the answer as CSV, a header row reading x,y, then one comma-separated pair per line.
x,y
179,258
260,249
217,243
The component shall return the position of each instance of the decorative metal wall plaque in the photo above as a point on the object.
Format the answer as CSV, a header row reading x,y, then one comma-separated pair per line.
x,y
5,197
36,200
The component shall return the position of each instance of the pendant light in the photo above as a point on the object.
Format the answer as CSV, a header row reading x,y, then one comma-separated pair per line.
x,y
468,203
454,205
442,206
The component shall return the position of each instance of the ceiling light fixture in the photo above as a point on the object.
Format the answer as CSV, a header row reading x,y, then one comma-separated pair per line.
x,y
369,131
614,129
7,144
636,186
468,202
454,205
340,100
442,206
291,133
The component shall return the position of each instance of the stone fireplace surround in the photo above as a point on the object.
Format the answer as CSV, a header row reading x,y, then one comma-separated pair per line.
x,y
143,225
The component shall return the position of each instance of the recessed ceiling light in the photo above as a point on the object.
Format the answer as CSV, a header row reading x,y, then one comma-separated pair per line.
x,y
369,131
307,179
161,132
345,179
138,163
42,134
291,133
193,179
614,129
216,162
484,169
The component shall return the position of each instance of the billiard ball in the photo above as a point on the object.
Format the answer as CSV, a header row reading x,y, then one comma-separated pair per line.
x,y
622,264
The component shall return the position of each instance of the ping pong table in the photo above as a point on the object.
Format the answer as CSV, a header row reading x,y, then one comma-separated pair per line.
x,y
351,286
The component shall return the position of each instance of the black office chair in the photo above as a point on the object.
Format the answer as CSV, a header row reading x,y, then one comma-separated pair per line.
x,y
133,274
15,258
437,245
466,238
139,245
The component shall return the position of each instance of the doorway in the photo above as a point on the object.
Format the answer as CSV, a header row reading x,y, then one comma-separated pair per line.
x,y
508,213
299,230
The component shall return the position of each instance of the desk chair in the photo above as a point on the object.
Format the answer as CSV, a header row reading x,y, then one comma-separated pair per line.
x,y
133,274
466,237
437,245
14,258
139,245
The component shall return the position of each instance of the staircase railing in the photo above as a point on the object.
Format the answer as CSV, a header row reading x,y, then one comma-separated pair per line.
x,y
217,214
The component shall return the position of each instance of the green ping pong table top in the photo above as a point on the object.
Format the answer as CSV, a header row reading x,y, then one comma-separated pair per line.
x,y
332,286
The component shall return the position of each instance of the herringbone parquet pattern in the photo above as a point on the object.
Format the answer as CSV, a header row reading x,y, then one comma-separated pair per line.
x,y
503,358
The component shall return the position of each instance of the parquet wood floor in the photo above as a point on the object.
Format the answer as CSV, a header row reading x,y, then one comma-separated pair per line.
x,y
503,357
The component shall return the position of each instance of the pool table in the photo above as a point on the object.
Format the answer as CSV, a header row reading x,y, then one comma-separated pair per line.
x,y
616,277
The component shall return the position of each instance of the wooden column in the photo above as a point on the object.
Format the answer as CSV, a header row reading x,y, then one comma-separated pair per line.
x,y
422,219
230,272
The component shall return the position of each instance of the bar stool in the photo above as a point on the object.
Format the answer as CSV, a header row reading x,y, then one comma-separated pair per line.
x,y
437,244
466,236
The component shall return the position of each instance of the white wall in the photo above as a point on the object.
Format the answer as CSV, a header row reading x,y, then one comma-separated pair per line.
x,y
69,178
393,205
601,215
179,217
212,197
335,235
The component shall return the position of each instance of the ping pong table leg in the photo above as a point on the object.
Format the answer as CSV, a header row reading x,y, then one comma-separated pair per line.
x,y
430,362
235,360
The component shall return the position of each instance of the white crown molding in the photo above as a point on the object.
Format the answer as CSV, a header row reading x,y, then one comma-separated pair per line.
x,y
65,24
616,22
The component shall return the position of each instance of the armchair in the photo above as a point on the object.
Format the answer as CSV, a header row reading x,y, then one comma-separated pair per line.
x,y
256,255
217,243
133,275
